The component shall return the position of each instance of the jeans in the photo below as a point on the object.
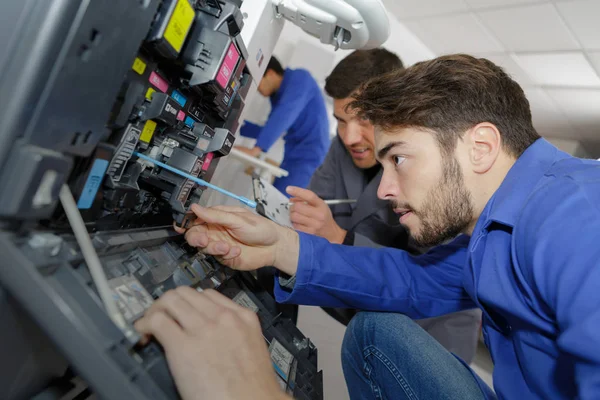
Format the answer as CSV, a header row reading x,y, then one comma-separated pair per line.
x,y
388,356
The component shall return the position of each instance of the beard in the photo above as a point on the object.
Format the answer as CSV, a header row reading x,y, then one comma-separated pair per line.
x,y
447,210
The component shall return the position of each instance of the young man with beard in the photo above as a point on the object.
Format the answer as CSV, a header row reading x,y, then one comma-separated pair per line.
x,y
460,156
351,171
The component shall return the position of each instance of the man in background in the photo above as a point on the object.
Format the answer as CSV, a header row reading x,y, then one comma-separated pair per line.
x,y
298,111
350,171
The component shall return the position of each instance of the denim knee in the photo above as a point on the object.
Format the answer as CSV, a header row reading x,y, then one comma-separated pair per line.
x,y
387,355
376,329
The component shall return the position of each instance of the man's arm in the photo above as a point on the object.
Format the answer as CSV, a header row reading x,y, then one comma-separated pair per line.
x,y
333,275
379,279
559,254
293,100
250,130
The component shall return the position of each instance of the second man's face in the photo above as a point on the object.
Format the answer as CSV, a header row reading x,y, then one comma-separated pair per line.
x,y
358,135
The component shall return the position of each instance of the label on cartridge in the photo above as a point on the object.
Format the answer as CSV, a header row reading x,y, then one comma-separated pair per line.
x,y
196,113
179,24
149,93
231,91
189,121
228,66
92,184
178,97
244,300
159,82
203,145
282,384
181,115
207,160
282,359
148,131
171,108
187,187
139,66
131,297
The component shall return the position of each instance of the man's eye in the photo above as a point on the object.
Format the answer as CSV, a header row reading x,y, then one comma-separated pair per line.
x,y
398,160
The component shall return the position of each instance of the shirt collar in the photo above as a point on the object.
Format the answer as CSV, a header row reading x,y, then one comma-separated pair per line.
x,y
505,205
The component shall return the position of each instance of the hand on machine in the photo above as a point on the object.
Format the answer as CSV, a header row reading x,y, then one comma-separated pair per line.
x,y
214,346
227,232
311,214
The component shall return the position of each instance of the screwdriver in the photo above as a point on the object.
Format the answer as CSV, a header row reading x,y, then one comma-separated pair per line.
x,y
329,202
248,202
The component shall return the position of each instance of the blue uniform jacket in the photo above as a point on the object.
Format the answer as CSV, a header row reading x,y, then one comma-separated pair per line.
x,y
532,265
297,108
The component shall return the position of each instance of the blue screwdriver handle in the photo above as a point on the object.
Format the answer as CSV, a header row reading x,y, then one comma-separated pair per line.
x,y
199,181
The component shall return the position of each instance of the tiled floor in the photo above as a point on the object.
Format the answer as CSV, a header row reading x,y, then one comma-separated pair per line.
x,y
327,334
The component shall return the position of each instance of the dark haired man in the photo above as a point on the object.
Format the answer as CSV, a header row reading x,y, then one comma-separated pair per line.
x,y
460,156
298,111
351,171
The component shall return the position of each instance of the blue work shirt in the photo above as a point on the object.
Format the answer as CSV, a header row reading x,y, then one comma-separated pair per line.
x,y
297,108
532,265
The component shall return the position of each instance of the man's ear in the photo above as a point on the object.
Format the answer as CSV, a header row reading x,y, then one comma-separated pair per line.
x,y
485,144
269,74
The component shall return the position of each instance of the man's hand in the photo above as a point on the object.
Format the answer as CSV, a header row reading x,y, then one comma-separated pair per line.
x,y
214,347
310,214
254,152
243,240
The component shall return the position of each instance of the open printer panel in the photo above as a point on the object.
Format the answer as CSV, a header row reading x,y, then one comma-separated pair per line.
x,y
87,84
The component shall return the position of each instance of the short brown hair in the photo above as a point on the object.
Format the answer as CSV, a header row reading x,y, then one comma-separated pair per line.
x,y
448,95
356,69
275,66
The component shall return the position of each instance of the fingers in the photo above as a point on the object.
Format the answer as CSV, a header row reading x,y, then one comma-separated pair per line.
x,y
209,303
223,216
160,325
234,252
197,236
221,249
304,228
301,219
296,200
248,316
188,225
303,194
201,303
233,209
178,229
195,222
177,308
307,210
